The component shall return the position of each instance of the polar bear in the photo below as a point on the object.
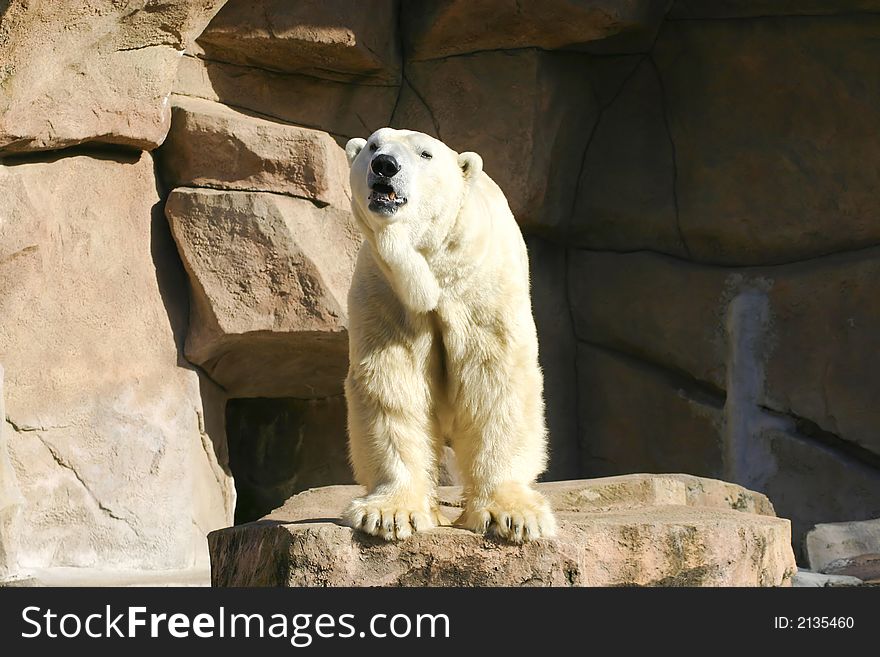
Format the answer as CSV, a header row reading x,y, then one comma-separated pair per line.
x,y
442,344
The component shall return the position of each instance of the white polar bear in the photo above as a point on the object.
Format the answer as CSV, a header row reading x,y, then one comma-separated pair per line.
x,y
442,344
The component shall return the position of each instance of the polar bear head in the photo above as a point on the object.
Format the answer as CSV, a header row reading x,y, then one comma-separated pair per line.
x,y
403,175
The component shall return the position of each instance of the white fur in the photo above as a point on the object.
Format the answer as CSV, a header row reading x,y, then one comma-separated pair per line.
x,y
442,347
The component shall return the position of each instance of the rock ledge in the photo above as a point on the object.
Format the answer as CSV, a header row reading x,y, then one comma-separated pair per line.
x,y
633,530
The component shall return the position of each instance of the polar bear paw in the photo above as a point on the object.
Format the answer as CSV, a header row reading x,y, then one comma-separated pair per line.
x,y
391,517
513,512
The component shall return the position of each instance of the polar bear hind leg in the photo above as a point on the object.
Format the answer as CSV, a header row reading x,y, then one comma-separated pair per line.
x,y
501,441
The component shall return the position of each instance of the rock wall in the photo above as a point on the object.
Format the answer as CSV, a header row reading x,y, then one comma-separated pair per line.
x,y
695,181
112,446
724,274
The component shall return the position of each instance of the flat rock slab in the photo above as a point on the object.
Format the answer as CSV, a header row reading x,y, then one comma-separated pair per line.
x,y
633,530
830,541
808,579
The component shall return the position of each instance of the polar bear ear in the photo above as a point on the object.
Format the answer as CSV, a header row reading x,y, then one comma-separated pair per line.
x,y
353,147
471,165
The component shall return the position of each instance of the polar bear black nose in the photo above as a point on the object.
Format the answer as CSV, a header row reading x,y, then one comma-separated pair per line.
x,y
384,165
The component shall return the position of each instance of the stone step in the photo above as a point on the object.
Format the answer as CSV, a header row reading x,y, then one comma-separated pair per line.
x,y
633,530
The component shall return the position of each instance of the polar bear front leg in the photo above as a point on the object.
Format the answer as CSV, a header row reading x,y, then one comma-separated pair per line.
x,y
392,434
503,451
393,455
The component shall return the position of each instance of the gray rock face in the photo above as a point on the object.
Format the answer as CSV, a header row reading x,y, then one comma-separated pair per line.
x,y
639,530
628,400
556,340
678,315
710,150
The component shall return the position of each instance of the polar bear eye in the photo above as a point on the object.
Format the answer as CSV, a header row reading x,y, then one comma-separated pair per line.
x,y
373,147
426,155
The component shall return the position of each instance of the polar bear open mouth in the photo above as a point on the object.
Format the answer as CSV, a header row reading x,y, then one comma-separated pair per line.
x,y
384,198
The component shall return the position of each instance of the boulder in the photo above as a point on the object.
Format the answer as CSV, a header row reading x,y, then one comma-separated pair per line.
x,y
528,124
114,441
638,530
344,109
648,490
830,541
443,28
269,275
77,71
211,145
335,39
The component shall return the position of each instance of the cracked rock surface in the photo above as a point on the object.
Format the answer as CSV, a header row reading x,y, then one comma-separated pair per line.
x,y
111,466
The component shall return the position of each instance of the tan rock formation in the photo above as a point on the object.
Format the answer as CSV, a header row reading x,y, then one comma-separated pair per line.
x,y
269,275
343,109
93,71
211,145
336,39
